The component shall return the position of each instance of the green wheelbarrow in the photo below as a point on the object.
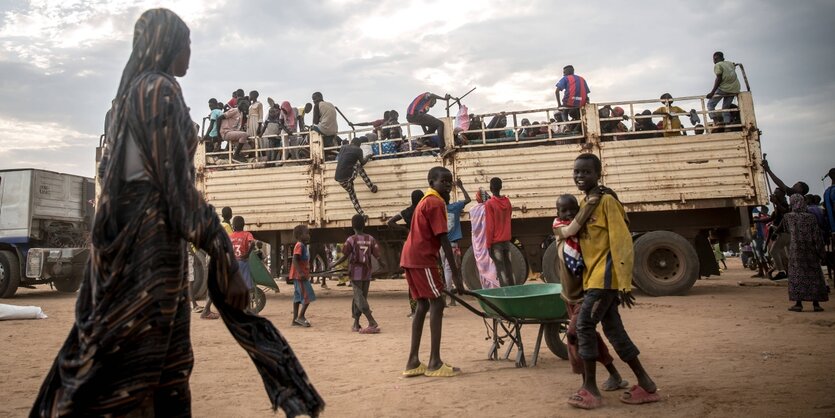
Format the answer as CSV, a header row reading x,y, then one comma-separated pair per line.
x,y
263,281
509,308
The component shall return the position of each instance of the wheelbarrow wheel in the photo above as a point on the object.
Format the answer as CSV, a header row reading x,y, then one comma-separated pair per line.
x,y
555,339
257,300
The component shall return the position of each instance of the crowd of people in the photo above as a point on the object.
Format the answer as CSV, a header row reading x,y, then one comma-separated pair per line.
x,y
790,243
280,134
133,307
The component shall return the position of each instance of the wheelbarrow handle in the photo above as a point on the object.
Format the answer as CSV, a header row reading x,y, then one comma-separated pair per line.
x,y
481,299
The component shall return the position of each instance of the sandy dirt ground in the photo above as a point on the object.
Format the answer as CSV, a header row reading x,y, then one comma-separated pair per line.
x,y
722,350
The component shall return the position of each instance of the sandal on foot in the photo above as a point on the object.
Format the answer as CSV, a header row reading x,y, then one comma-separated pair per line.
x,y
638,395
301,323
210,315
583,399
796,308
444,371
370,330
608,387
355,328
417,371
197,309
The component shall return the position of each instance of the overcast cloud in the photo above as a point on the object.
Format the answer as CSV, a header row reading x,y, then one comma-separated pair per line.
x,y
61,61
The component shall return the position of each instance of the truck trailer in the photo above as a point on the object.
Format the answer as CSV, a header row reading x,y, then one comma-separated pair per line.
x,y
677,184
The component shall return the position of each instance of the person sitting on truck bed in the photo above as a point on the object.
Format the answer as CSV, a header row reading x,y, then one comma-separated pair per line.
x,y
212,132
233,102
576,94
417,113
271,130
670,120
231,124
349,164
393,121
499,211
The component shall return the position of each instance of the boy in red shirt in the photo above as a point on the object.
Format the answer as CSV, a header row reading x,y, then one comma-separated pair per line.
x,y
358,250
300,275
419,259
242,243
499,211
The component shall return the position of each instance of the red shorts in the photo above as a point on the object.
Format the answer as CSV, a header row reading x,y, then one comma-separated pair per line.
x,y
424,283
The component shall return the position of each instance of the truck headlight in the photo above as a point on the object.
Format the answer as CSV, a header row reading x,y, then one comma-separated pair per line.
x,y
34,263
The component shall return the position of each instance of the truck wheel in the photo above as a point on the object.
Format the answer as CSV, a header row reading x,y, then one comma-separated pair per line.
x,y
549,265
555,339
9,274
200,285
665,264
72,283
470,271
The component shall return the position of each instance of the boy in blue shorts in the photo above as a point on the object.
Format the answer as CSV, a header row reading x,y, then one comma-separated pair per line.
x,y
300,275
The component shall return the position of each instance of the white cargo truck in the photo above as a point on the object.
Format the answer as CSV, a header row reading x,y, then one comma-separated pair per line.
x,y
45,220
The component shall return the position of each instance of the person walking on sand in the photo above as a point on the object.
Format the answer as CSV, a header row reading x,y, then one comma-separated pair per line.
x,y
358,250
129,350
606,245
419,259
806,250
570,266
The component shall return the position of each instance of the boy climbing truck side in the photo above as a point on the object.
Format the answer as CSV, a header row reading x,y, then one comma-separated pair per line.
x,y
45,220
673,187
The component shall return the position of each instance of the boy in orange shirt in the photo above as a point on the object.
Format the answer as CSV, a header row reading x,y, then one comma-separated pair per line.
x,y
419,259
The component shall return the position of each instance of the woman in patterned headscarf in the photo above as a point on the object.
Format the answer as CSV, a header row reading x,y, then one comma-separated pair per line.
x,y
129,350
805,253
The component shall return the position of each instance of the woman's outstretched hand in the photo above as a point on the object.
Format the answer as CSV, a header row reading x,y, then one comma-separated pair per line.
x,y
237,294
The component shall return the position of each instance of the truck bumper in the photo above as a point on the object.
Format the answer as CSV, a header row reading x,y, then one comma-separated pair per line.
x,y
47,263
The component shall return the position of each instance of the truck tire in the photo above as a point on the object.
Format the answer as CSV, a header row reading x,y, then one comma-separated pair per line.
x,y
9,274
549,265
200,285
555,339
665,264
469,271
72,283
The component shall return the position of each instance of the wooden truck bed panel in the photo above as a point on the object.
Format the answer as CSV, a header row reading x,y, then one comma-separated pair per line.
x,y
676,170
276,198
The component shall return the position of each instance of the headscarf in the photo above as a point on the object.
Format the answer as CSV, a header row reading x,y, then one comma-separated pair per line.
x,y
289,115
798,203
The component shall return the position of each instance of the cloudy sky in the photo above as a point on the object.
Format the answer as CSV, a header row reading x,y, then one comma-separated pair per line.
x,y
61,60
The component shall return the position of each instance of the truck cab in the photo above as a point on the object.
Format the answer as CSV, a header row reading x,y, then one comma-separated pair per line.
x,y
45,220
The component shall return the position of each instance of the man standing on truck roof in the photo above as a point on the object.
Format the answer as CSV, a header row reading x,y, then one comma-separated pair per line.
x,y
576,93
349,163
417,113
725,87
